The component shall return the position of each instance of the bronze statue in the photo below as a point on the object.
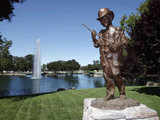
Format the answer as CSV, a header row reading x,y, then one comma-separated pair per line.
x,y
110,43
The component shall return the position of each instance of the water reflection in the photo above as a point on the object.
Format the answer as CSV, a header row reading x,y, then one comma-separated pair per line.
x,y
18,85
72,80
35,86
98,83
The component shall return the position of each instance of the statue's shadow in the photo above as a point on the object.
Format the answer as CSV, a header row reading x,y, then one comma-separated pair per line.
x,y
148,90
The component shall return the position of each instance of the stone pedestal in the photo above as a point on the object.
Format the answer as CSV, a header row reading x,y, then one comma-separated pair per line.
x,y
140,112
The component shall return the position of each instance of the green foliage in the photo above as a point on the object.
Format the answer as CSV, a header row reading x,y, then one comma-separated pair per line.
x,y
29,61
144,7
122,22
5,64
7,8
90,67
5,57
23,63
4,46
128,23
143,29
6,12
19,64
56,66
69,65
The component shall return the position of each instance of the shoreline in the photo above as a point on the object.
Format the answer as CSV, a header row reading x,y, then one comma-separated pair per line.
x,y
51,73
13,74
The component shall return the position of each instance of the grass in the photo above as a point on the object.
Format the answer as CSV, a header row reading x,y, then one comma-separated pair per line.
x,y
66,105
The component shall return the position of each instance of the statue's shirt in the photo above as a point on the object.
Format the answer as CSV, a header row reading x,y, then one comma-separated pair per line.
x,y
112,39
110,43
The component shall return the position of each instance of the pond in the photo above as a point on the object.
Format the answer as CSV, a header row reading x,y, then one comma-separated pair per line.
x,y
24,85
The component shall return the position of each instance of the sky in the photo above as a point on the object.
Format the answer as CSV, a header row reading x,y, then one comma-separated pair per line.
x,y
57,23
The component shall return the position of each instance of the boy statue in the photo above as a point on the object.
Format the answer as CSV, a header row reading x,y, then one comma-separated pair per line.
x,y
110,42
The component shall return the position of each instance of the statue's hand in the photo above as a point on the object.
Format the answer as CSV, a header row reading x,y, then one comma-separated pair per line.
x,y
95,41
94,33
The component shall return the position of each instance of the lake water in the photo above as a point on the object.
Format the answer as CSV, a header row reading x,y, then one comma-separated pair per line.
x,y
24,85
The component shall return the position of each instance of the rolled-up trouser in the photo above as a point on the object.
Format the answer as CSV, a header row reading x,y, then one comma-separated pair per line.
x,y
112,77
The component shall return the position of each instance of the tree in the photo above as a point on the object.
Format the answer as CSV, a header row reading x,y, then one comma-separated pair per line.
x,y
56,66
5,64
143,29
5,57
69,65
20,64
4,46
95,66
23,63
7,7
29,62
6,12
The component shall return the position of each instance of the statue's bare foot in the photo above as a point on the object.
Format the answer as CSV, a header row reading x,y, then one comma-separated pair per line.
x,y
108,97
122,97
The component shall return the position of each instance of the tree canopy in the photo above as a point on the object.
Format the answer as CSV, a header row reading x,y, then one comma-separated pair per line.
x,y
7,7
23,63
90,67
69,65
143,29
5,56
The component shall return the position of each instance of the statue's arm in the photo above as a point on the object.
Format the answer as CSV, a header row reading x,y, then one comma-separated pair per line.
x,y
95,40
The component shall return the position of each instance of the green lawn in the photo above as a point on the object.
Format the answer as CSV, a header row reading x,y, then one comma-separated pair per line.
x,y
67,105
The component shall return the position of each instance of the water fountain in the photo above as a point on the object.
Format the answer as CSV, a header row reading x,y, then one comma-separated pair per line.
x,y
37,63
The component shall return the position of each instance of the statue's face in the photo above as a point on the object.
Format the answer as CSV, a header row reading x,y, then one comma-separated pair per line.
x,y
106,21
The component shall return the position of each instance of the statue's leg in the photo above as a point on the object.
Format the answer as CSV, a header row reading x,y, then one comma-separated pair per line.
x,y
121,86
110,86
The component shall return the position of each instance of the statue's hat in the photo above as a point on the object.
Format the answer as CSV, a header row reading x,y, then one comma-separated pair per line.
x,y
103,12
